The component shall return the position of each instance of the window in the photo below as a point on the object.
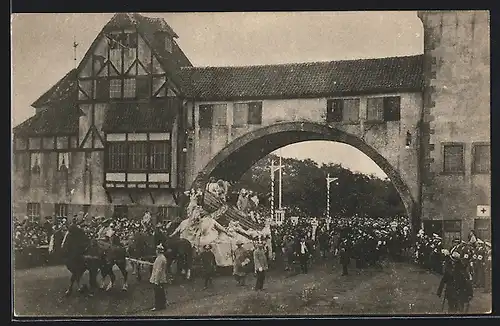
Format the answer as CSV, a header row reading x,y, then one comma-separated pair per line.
x,y
375,109
35,163
102,89
35,143
130,40
392,108
168,213
482,228
129,88
240,114
219,114
63,161
120,211
20,143
117,156
431,227
453,158
159,156
334,110
33,211
113,40
21,161
342,110
481,159
137,156
115,88
143,87
350,112
255,113
452,230
206,113
168,44
61,210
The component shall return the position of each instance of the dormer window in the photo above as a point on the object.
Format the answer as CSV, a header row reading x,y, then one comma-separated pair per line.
x,y
165,41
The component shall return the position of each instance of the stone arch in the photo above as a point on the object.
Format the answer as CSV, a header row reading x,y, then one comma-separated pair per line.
x,y
239,155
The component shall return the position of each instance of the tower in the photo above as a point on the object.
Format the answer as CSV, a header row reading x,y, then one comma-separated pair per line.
x,y
455,133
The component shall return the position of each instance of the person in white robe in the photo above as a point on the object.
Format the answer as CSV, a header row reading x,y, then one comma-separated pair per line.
x,y
242,203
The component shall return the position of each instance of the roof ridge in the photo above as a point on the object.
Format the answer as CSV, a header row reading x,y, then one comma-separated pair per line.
x,y
305,63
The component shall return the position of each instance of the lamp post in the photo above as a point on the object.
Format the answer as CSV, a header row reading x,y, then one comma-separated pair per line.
x,y
328,181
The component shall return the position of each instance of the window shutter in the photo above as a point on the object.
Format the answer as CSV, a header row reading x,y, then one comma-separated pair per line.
x,y
392,108
334,110
255,113
206,113
240,114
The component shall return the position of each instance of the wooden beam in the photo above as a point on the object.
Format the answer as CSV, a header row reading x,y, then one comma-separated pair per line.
x,y
110,199
152,197
130,196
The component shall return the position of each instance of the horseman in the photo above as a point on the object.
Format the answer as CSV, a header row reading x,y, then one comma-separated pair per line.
x,y
159,237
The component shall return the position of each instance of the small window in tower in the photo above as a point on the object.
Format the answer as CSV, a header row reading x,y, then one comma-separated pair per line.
x,y
168,44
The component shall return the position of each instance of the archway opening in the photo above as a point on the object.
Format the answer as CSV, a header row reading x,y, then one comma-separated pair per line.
x,y
232,162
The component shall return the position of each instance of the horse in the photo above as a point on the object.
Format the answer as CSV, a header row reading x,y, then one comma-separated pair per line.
x,y
111,254
78,258
142,246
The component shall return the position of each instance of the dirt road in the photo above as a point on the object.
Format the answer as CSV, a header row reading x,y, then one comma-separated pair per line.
x,y
395,289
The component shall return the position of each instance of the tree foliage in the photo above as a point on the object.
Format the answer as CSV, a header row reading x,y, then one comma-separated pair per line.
x,y
304,189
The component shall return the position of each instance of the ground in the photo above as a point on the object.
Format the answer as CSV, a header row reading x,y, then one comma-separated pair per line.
x,y
394,289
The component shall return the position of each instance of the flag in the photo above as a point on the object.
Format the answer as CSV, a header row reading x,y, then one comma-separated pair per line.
x,y
483,210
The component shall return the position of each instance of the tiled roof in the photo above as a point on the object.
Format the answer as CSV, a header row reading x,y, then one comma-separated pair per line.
x,y
64,90
142,117
303,79
51,121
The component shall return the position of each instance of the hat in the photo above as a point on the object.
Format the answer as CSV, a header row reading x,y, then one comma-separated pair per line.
x,y
160,248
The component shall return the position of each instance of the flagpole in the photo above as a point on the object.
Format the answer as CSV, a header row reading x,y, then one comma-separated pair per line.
x,y
280,186
272,189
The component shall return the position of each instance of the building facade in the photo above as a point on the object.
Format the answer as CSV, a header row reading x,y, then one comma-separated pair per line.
x,y
134,125
456,143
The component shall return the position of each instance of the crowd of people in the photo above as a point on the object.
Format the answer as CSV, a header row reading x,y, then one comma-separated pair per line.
x,y
432,254
366,240
30,233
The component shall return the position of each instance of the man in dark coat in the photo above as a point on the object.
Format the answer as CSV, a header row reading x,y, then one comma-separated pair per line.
x,y
303,251
344,258
209,265
456,284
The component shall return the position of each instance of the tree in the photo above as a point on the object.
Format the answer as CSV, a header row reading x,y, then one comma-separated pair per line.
x,y
304,189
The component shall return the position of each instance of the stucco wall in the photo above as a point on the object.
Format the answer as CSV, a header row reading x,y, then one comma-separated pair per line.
x,y
457,58
388,138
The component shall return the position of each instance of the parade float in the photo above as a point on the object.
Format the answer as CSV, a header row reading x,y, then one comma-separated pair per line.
x,y
211,220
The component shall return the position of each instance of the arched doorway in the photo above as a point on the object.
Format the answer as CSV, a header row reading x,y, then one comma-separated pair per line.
x,y
242,153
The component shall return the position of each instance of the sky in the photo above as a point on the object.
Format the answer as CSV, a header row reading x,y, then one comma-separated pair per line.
x,y
42,51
